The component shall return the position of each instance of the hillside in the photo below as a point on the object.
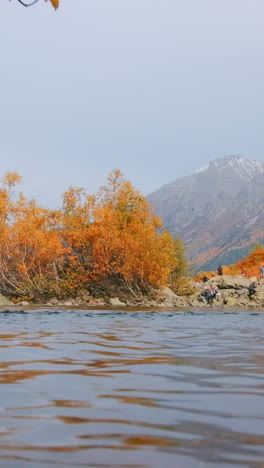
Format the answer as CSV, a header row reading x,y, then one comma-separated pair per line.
x,y
217,211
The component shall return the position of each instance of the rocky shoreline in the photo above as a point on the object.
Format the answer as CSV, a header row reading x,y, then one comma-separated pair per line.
x,y
232,291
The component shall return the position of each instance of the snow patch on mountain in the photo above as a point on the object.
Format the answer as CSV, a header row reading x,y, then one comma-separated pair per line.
x,y
243,167
202,169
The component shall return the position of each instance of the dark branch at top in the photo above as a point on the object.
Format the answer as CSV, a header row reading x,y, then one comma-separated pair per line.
x,y
28,4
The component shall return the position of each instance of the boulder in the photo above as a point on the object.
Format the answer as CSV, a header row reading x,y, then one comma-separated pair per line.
x,y
242,292
230,282
79,300
115,301
85,296
253,279
54,301
130,304
230,301
4,301
258,297
243,303
165,304
202,300
194,302
100,301
260,287
218,300
168,294
92,301
183,301
150,303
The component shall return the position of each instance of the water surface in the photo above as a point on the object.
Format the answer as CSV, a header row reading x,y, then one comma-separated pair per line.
x,y
131,389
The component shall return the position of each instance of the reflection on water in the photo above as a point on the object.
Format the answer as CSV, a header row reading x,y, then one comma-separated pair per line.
x,y
131,389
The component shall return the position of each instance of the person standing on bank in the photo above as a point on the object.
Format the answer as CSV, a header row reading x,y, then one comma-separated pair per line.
x,y
252,289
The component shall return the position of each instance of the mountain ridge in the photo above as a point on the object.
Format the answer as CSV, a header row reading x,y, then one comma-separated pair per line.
x,y
216,209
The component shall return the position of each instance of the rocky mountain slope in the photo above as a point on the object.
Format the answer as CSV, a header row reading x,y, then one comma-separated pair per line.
x,y
218,211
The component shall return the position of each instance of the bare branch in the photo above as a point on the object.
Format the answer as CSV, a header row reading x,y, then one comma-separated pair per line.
x,y
28,4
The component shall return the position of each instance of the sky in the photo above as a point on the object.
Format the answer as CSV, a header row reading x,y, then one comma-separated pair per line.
x,y
156,88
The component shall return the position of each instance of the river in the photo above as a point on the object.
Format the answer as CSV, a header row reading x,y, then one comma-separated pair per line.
x,y
82,388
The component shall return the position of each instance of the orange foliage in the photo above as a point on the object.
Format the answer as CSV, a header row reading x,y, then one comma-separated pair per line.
x,y
11,179
113,235
31,250
251,264
55,3
211,274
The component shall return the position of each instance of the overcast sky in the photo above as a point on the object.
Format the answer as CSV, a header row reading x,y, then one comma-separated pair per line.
x,y
156,88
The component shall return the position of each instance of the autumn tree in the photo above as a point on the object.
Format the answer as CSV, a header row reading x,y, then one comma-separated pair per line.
x,y
179,276
77,218
110,239
251,264
114,236
135,250
31,252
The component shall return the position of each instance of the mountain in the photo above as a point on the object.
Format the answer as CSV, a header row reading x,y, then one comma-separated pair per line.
x,y
218,211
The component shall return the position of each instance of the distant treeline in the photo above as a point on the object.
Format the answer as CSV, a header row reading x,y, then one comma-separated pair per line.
x,y
249,266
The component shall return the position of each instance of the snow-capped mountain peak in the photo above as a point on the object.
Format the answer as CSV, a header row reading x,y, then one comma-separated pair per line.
x,y
215,210
245,168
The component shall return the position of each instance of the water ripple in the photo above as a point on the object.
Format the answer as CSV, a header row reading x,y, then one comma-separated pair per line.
x,y
131,389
